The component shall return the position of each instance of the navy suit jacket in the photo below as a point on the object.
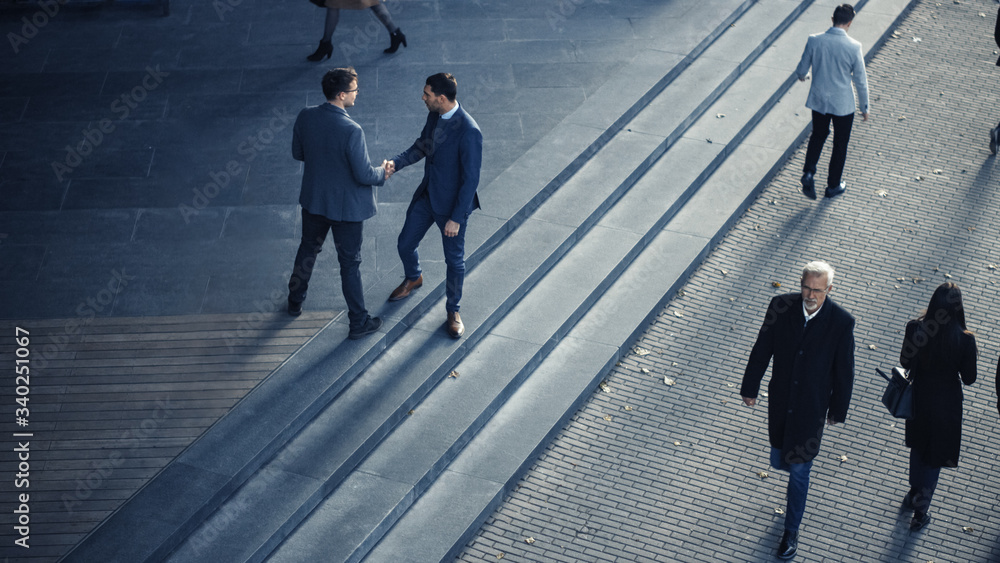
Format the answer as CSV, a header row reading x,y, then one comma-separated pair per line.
x,y
338,178
452,150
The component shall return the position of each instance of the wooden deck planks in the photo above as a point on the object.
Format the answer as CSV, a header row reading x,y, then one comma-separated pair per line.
x,y
114,400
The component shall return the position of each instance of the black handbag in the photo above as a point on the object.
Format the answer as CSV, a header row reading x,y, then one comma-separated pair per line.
x,y
320,3
898,395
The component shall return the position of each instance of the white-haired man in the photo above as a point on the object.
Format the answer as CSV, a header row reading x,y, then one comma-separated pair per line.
x,y
811,339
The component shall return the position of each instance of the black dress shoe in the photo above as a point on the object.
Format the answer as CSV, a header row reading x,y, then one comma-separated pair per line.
x,y
808,185
994,139
834,191
397,39
919,520
371,325
789,545
294,309
324,51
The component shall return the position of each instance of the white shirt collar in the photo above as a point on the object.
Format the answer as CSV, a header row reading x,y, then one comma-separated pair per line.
x,y
806,313
450,112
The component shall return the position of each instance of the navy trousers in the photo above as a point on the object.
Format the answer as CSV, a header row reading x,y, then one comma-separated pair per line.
x,y
419,219
347,237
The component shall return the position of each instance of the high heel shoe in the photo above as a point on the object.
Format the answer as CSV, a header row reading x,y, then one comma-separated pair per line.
x,y
397,37
324,51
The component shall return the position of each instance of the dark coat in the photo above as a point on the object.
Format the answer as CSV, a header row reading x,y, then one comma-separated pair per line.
x,y
452,150
338,177
996,34
935,431
812,377
998,385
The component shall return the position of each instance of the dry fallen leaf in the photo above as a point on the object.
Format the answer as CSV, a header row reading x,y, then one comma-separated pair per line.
x,y
967,529
724,272
605,387
607,417
677,443
882,193
674,364
644,370
720,115
453,374
762,474
938,171
778,511
775,284
529,541
668,381
871,346
500,555
628,408
678,314
639,351
948,276
843,458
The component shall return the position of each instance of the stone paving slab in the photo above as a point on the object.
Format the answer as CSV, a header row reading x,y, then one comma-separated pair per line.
x,y
675,478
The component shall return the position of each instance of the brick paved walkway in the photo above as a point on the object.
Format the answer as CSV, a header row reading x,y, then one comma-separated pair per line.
x,y
654,472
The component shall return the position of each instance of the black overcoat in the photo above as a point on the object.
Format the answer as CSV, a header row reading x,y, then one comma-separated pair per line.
x,y
812,377
935,431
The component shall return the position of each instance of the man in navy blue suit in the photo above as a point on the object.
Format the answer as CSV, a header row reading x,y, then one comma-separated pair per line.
x,y
451,145
337,195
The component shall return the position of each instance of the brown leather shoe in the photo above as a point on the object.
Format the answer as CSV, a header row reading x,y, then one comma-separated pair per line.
x,y
404,289
454,325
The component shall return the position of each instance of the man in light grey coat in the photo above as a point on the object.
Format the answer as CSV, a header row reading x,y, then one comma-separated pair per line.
x,y
837,61
337,194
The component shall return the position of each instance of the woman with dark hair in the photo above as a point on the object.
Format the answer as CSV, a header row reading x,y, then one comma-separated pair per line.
x,y
333,8
940,353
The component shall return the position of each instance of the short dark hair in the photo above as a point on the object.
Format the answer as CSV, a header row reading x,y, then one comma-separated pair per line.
x,y
337,80
842,14
443,84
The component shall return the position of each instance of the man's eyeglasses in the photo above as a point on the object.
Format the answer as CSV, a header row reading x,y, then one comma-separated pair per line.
x,y
806,288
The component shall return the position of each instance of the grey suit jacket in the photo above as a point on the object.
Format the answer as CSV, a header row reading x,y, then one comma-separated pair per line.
x,y
836,61
338,178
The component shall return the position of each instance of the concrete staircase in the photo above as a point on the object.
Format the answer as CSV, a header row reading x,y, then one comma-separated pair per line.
x,y
397,447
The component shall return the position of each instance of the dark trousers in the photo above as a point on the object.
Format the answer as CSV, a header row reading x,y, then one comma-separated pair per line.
x,y
841,135
419,218
347,236
923,481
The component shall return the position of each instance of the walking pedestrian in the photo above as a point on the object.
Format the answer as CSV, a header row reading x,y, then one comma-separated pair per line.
x,y
995,132
837,61
333,7
940,353
811,339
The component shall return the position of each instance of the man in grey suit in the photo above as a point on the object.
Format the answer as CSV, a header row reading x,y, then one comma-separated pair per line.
x,y
337,195
836,61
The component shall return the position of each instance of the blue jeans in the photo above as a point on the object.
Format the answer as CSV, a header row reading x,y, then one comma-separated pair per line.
x,y
923,481
419,218
347,236
798,488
